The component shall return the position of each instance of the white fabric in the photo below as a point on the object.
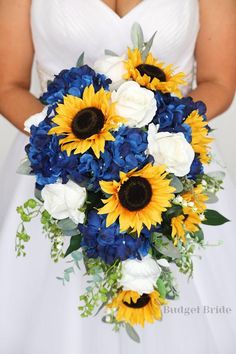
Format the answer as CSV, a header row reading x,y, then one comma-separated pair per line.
x,y
37,314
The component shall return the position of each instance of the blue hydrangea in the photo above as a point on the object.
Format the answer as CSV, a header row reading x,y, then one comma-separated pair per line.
x,y
172,111
196,168
47,160
73,81
127,152
109,243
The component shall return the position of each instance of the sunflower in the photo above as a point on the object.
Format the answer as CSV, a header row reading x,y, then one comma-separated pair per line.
x,y
200,139
137,309
197,197
138,198
153,74
191,218
86,122
178,229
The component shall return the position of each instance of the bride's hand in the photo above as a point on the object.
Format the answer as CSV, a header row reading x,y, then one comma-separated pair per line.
x,y
16,57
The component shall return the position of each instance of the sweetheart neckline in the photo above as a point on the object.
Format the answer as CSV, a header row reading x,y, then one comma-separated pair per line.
x,y
126,14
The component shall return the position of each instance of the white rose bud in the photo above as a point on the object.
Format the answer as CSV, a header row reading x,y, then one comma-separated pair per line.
x,y
113,67
135,103
140,275
170,149
64,201
35,119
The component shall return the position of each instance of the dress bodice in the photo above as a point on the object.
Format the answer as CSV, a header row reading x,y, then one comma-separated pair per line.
x,y
62,30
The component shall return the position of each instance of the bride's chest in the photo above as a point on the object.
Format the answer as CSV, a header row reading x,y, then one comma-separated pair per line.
x,y
93,25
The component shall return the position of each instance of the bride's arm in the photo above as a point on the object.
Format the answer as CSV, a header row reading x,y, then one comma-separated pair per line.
x,y
16,56
215,55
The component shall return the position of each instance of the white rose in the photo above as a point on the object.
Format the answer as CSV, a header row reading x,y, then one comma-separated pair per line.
x,y
64,201
135,103
35,119
140,275
170,149
111,66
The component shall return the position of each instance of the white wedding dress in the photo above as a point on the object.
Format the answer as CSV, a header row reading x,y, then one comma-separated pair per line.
x,y
37,314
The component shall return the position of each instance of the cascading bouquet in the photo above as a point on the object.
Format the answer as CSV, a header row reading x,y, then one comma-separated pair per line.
x,y
118,158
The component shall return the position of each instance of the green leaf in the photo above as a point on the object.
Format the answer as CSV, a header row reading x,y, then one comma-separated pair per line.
x,y
198,234
175,210
132,333
214,218
77,255
67,225
75,243
148,46
177,184
212,198
80,61
219,175
38,195
137,36
111,53
167,248
161,288
24,168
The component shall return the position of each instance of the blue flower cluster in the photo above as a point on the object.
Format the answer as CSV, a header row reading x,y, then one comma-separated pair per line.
x,y
108,243
172,111
47,161
73,81
127,152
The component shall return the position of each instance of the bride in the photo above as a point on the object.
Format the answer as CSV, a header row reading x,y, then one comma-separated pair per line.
x,y
37,314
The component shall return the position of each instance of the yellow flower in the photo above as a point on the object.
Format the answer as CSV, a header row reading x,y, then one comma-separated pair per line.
x,y
178,230
190,220
138,199
200,139
197,197
153,74
182,224
86,122
137,309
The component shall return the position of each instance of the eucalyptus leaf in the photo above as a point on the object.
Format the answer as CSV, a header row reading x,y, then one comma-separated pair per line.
x,y
132,333
97,278
167,248
80,61
212,198
111,53
77,255
69,270
75,243
137,36
219,175
24,168
198,234
148,46
67,225
177,184
214,218
70,233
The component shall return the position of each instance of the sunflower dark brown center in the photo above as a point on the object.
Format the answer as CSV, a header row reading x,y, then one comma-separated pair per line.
x,y
141,302
151,71
135,193
87,122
